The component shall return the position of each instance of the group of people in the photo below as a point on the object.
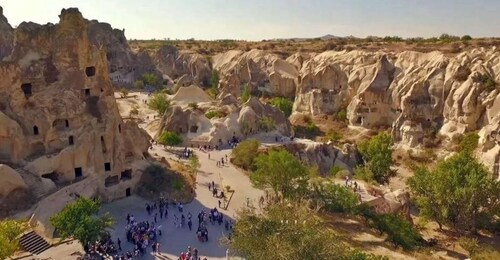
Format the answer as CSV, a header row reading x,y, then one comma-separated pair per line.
x,y
352,184
186,153
142,234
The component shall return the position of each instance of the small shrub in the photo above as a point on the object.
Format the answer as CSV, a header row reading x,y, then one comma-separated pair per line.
x,y
285,105
214,114
169,138
399,231
266,124
471,245
335,170
138,84
334,136
312,129
245,95
193,105
342,115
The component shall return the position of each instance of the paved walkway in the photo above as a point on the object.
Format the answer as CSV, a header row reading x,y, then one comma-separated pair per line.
x,y
176,240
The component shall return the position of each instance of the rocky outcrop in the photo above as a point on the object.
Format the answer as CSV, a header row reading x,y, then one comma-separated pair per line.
x,y
10,180
6,36
238,120
176,63
264,72
58,116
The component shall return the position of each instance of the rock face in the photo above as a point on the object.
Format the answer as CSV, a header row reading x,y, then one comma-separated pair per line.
x,y
6,36
415,94
125,65
11,180
264,72
176,64
324,156
58,116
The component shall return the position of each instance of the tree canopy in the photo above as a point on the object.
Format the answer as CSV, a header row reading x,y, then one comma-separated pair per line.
x,y
159,103
459,192
151,80
9,233
288,231
244,154
79,220
169,138
281,171
377,154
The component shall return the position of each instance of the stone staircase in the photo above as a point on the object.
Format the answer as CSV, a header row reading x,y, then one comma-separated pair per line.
x,y
33,243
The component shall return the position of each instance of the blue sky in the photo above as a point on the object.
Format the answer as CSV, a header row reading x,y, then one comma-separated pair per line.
x,y
266,19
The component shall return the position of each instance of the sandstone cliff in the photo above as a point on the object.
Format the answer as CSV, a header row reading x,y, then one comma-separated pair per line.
x,y
58,117
6,36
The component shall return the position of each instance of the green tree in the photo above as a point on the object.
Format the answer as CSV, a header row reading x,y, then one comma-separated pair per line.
x,y
151,80
79,220
469,142
194,163
284,104
290,231
399,231
280,171
466,38
245,153
10,230
159,103
169,138
245,95
459,192
377,154
333,197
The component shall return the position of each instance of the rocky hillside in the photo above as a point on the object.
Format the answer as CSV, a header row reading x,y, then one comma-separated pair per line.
x,y
416,95
59,122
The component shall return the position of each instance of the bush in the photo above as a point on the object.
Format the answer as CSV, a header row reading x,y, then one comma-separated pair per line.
x,y
151,80
335,170
469,142
138,84
285,105
334,197
245,95
214,113
245,153
342,115
312,129
399,231
159,103
334,136
193,105
266,123
466,38
169,138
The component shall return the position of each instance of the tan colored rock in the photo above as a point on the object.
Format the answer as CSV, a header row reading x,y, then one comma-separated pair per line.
x,y
58,117
6,36
176,63
10,180
262,71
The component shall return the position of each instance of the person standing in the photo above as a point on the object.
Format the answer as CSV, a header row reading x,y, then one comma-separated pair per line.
x,y
119,242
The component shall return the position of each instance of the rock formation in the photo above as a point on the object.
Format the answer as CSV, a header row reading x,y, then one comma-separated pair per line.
x,y
6,36
252,117
176,64
264,72
59,122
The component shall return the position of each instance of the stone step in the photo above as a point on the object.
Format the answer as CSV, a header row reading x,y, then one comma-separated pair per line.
x,y
33,243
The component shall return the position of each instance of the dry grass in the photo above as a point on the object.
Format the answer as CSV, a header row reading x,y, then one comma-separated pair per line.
x,y
285,48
